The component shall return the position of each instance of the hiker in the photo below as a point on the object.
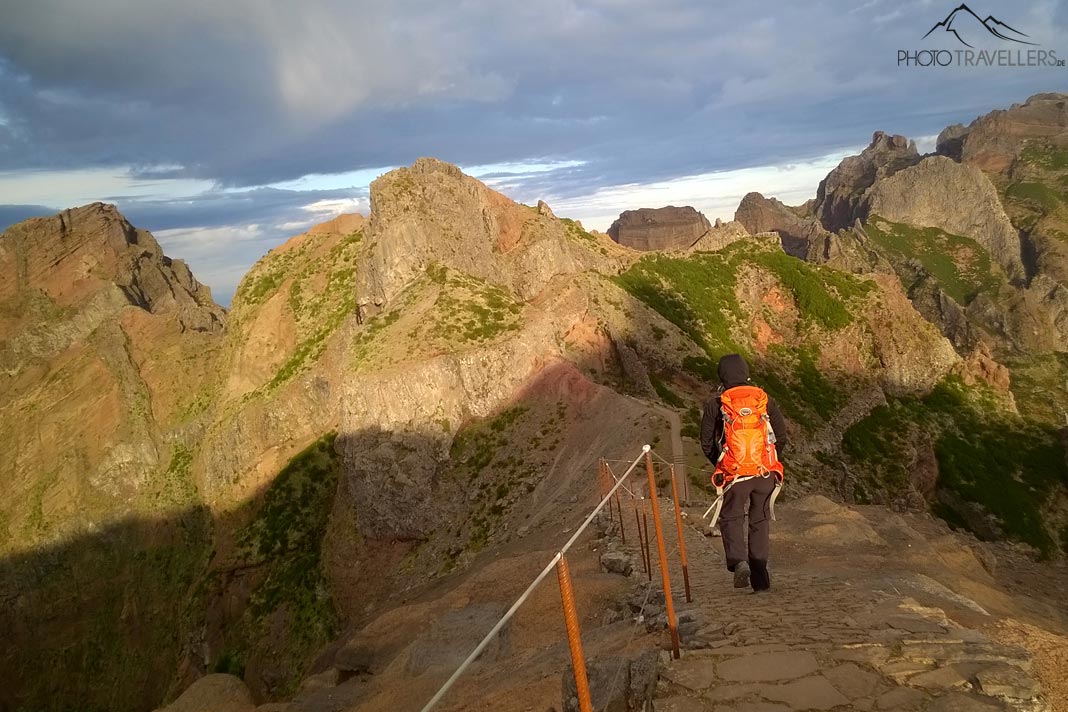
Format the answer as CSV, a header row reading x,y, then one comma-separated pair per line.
x,y
745,453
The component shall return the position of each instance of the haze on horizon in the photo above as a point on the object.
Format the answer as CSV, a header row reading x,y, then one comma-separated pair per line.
x,y
226,127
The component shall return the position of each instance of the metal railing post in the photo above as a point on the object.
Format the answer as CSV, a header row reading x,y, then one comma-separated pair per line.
x,y
662,551
645,535
682,539
574,637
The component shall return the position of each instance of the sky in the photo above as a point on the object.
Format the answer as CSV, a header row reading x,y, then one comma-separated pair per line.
x,y
225,126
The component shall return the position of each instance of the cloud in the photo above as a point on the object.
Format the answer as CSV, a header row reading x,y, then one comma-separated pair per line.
x,y
248,93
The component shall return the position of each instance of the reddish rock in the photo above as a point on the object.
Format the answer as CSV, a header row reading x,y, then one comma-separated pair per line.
x,y
669,228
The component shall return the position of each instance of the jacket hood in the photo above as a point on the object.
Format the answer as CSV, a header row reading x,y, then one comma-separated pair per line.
x,y
733,371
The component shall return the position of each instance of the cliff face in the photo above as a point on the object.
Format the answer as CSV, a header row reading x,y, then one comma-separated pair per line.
x,y
798,234
838,198
668,228
432,213
103,342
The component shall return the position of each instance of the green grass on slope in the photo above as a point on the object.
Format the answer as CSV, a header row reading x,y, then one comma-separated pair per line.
x,y
1038,196
319,314
285,538
959,264
1045,156
995,459
697,294
1040,387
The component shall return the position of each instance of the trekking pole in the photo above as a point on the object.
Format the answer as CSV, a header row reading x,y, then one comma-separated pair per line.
x,y
682,539
774,496
574,637
662,551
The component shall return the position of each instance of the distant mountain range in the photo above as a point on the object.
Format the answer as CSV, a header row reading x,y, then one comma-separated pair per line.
x,y
958,21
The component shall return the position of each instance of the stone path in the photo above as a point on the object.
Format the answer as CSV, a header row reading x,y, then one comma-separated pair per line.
x,y
828,636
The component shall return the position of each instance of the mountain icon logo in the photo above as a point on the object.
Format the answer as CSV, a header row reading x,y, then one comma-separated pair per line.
x,y
963,20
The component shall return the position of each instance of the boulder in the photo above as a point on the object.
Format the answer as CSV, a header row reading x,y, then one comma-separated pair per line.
x,y
668,228
214,693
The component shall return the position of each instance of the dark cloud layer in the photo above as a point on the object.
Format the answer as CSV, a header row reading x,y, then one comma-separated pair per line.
x,y
250,93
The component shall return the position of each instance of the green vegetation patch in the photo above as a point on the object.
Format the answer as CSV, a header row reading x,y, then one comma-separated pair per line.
x,y
1009,466
696,292
469,310
1045,156
664,391
285,538
319,313
1038,196
959,264
485,459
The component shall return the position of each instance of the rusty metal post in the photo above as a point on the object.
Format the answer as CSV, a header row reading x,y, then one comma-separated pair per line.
x,y
682,539
600,479
638,527
609,480
686,485
662,551
574,638
645,535
619,511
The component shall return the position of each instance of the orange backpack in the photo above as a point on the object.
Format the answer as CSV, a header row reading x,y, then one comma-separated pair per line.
x,y
748,445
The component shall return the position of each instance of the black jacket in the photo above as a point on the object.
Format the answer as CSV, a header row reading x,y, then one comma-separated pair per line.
x,y
734,371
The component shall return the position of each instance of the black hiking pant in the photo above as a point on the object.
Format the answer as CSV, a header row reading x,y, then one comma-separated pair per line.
x,y
750,496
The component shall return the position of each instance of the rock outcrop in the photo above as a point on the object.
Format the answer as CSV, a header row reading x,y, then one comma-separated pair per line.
x,y
432,213
994,141
938,192
668,228
721,235
839,196
759,214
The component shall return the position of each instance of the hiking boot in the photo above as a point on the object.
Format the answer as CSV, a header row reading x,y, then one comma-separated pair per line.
x,y
741,575
761,579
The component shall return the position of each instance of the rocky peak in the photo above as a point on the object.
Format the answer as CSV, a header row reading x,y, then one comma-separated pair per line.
x,y
840,193
668,228
993,141
72,256
759,214
432,213
960,199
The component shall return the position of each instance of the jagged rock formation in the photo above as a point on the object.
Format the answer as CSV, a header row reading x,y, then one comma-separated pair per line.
x,y
798,234
994,141
721,235
106,346
93,304
432,213
838,198
938,192
668,228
